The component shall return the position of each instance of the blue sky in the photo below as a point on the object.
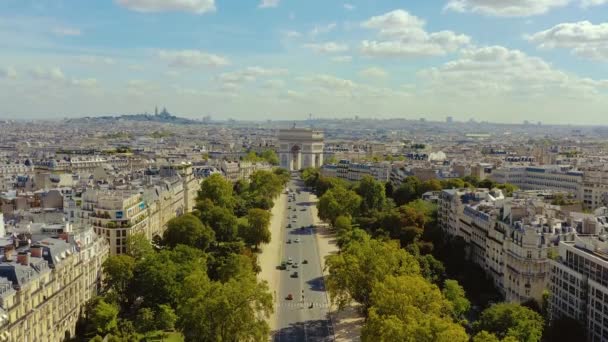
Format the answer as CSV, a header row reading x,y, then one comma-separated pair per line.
x,y
506,61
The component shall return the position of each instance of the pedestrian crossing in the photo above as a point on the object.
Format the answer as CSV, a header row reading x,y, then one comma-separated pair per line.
x,y
299,305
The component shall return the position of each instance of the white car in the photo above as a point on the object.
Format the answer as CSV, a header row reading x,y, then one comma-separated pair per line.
x,y
289,261
295,265
297,240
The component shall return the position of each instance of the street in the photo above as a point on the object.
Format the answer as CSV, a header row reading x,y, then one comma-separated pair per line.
x,y
306,316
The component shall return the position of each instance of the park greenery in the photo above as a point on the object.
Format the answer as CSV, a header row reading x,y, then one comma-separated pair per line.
x,y
404,274
199,278
269,156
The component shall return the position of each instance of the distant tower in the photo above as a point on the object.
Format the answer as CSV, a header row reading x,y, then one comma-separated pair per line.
x,y
449,119
156,110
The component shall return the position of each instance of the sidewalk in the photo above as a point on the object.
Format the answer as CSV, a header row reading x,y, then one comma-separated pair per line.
x,y
347,323
270,255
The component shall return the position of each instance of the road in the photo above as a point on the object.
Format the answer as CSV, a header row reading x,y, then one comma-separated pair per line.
x,y
296,320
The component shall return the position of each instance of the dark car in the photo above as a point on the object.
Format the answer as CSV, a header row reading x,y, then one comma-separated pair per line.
x,y
294,275
289,241
304,262
289,297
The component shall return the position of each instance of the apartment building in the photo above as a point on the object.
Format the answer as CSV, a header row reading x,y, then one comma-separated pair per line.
x,y
579,284
509,238
45,283
354,172
550,177
595,187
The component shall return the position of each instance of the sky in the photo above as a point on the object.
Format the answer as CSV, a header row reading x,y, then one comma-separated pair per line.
x,y
488,60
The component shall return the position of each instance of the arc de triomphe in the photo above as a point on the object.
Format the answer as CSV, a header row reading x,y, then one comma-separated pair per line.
x,y
300,148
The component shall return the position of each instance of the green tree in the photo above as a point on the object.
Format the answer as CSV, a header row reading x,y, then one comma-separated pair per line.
x,y
118,273
455,294
511,320
372,194
188,230
256,231
430,268
409,308
138,246
218,190
270,156
336,202
361,264
103,316
407,191
232,311
165,317
222,221
310,176
324,184
484,336
145,320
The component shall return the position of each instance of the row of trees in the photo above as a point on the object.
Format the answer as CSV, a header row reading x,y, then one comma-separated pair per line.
x,y
269,156
386,264
201,276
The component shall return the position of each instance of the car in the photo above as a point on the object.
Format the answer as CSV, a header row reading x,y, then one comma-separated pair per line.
x,y
304,262
297,240
283,265
289,297
295,265
303,209
289,225
294,275
289,261
295,216
289,207
289,241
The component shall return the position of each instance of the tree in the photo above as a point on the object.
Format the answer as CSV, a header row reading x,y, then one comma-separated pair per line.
x,y
336,202
103,316
372,194
218,190
257,231
165,317
455,294
311,175
270,156
222,221
409,308
324,184
511,320
407,191
232,311
430,268
118,272
484,336
145,320
138,246
361,264
188,230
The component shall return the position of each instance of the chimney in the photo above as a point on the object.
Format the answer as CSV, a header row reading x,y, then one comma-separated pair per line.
x,y
8,253
64,236
23,258
36,251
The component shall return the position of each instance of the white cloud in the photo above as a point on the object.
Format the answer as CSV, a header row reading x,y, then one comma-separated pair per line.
x,y
8,72
322,29
349,7
192,6
505,8
589,3
583,38
292,34
328,47
274,84
85,83
95,60
269,3
52,74
373,73
192,59
67,31
498,71
403,35
250,74
342,59
140,87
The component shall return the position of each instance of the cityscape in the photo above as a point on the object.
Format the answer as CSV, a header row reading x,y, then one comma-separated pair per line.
x,y
206,170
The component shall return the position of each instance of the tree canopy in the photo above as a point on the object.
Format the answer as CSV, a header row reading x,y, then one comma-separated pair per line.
x,y
511,320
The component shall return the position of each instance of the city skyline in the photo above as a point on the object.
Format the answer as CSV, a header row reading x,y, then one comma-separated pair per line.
x,y
531,60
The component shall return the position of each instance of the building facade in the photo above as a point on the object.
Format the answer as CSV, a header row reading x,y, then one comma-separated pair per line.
x,y
300,148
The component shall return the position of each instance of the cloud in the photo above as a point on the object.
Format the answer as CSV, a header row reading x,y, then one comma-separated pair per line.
x,y
589,3
191,6
498,71
52,74
292,34
403,35
95,60
328,47
322,29
506,8
342,59
85,83
250,74
349,7
67,31
583,38
269,3
373,73
192,59
8,73
274,84
140,87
